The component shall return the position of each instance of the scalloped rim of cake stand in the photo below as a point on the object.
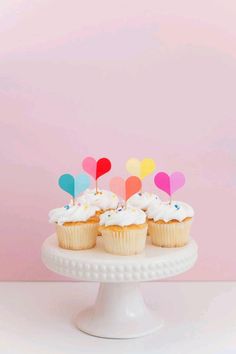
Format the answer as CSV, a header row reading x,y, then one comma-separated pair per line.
x,y
97,265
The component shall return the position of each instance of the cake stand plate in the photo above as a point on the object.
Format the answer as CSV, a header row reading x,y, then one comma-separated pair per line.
x,y
119,310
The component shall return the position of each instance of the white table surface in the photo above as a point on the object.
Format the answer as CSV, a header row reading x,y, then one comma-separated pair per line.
x,y
37,318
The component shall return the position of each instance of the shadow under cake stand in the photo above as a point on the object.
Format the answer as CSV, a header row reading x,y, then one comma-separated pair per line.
x,y
119,310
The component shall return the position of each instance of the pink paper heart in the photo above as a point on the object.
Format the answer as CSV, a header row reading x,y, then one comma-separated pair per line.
x,y
90,166
169,184
95,168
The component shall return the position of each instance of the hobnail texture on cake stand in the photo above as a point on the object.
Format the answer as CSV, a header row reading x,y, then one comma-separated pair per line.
x,y
119,310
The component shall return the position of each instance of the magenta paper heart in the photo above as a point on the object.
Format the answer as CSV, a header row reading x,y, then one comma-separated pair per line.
x,y
169,184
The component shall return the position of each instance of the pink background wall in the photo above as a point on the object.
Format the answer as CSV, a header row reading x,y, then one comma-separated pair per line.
x,y
123,79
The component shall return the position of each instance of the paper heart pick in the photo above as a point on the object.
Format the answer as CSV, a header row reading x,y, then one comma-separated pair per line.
x,y
125,188
96,168
74,185
169,184
139,168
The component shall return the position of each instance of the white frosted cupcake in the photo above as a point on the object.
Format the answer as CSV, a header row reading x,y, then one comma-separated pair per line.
x,y
142,200
124,231
76,226
102,199
169,224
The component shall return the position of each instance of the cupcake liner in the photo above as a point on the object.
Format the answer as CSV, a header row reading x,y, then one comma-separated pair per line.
x,y
124,242
77,237
174,234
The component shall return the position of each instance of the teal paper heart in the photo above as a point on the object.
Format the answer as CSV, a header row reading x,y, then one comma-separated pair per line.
x,y
74,185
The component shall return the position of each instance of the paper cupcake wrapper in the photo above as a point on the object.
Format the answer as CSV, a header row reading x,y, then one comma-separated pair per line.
x,y
124,242
78,237
169,235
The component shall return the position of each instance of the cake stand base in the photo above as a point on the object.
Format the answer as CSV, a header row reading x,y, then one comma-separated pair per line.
x,y
119,312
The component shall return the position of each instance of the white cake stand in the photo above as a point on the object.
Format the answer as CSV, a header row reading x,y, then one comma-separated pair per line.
x,y
119,310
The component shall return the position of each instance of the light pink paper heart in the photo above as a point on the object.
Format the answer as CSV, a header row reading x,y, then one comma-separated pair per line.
x,y
169,184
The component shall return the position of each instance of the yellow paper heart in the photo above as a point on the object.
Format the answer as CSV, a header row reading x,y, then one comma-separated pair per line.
x,y
139,168
147,167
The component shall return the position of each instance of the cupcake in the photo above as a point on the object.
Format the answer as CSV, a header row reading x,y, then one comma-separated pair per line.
x,y
124,231
142,200
102,199
169,223
76,226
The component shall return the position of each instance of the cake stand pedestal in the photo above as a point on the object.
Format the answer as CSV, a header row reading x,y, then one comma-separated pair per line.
x,y
119,310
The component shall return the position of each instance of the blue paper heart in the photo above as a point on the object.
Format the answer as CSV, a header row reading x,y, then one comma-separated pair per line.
x,y
74,185
82,182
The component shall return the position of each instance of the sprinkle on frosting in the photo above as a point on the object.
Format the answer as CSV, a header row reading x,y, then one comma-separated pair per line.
x,y
103,199
142,200
72,213
123,217
166,212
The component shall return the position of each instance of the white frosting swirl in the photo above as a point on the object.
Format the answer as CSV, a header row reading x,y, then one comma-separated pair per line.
x,y
123,217
72,213
166,212
142,200
103,199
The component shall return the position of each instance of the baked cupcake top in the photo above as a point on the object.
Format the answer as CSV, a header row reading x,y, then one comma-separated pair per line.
x,y
123,217
103,199
142,200
72,213
166,211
